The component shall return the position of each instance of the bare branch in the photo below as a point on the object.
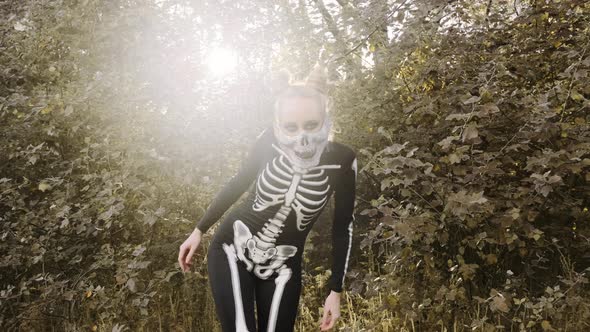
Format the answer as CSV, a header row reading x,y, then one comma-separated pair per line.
x,y
328,18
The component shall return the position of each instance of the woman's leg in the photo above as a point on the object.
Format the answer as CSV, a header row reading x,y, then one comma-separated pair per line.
x,y
232,286
277,300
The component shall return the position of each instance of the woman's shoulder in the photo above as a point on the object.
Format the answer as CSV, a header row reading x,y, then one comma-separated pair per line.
x,y
342,148
263,142
341,152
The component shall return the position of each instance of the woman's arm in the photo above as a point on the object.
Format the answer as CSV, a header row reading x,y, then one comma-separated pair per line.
x,y
344,195
236,186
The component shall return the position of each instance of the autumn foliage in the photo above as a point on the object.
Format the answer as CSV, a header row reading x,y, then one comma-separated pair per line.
x,y
471,119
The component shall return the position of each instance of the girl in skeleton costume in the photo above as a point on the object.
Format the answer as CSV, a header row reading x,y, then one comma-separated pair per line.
x,y
292,170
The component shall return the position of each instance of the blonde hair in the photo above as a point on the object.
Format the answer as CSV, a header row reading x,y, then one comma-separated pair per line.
x,y
314,87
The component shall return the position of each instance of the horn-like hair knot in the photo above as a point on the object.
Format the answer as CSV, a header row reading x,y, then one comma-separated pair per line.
x,y
318,78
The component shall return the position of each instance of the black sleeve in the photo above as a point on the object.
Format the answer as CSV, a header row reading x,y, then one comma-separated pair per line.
x,y
344,195
237,185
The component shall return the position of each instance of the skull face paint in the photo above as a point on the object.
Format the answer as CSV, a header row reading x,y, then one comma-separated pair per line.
x,y
305,140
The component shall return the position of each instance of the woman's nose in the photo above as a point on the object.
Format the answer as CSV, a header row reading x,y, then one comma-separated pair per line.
x,y
304,140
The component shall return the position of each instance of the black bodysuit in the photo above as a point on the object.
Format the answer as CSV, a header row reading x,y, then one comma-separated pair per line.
x,y
256,251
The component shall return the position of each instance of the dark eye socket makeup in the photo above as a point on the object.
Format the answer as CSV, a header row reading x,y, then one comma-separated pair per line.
x,y
311,124
290,126
308,125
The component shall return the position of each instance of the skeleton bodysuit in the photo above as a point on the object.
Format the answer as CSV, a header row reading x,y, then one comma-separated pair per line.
x,y
257,249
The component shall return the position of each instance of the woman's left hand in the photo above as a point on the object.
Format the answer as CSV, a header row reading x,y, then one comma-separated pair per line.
x,y
331,311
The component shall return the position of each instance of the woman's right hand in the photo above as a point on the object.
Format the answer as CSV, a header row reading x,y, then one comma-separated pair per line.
x,y
187,249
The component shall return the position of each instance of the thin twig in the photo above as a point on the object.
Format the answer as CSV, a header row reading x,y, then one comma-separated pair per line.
x,y
571,85
377,26
425,200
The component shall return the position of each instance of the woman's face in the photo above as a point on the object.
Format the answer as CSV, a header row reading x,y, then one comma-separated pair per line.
x,y
298,115
302,129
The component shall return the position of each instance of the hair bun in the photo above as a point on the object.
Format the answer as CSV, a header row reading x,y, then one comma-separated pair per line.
x,y
318,78
280,80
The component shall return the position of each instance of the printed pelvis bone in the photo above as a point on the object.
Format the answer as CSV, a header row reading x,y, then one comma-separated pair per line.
x,y
284,275
260,252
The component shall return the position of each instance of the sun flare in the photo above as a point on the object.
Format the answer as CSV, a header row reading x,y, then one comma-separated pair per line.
x,y
221,61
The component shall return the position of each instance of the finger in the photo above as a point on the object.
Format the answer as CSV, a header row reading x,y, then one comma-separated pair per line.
x,y
190,254
181,255
325,317
180,249
331,323
325,320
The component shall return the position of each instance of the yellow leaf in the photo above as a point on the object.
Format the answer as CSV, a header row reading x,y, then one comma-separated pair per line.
x,y
372,48
546,326
577,96
88,293
44,186
46,110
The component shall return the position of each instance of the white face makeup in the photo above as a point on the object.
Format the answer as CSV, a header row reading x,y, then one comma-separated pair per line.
x,y
302,129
